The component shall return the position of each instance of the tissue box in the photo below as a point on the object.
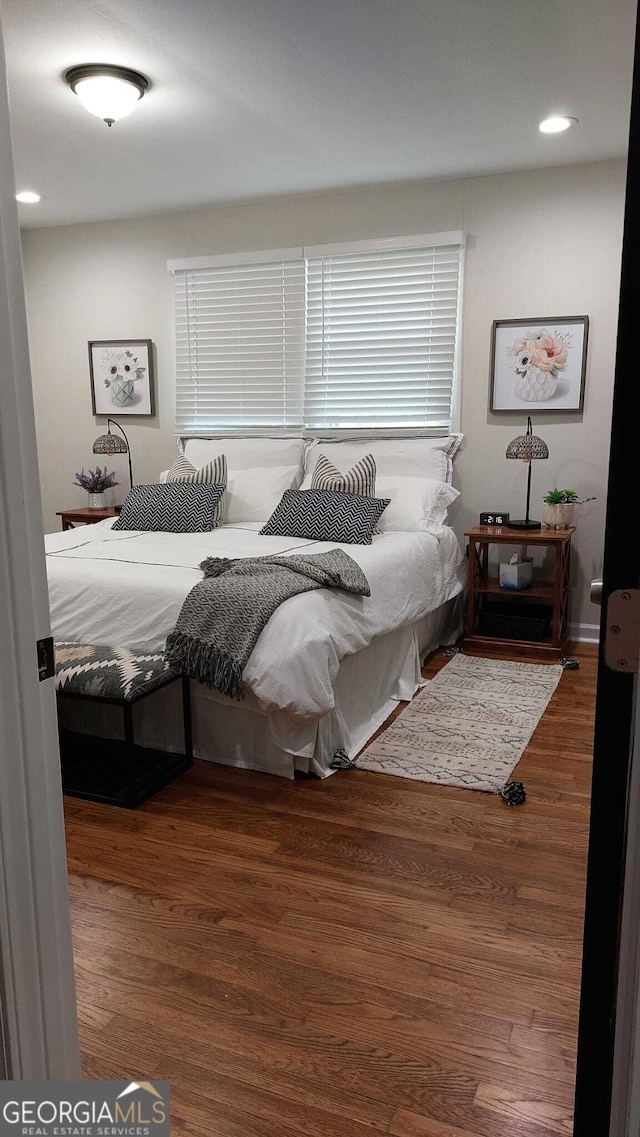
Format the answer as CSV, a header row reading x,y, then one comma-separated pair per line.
x,y
516,576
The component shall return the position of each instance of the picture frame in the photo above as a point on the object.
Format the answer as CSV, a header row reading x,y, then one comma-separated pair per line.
x,y
122,378
538,366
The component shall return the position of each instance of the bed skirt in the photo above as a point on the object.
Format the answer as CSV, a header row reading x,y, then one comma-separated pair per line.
x,y
367,687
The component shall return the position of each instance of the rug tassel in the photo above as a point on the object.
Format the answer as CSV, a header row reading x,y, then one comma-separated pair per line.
x,y
341,760
513,793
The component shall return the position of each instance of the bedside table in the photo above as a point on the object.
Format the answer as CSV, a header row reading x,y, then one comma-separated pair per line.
x,y
483,589
73,517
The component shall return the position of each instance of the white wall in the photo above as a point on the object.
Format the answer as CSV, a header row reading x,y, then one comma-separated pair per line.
x,y
541,243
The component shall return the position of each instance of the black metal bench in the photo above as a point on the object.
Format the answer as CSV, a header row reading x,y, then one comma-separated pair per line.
x,y
114,771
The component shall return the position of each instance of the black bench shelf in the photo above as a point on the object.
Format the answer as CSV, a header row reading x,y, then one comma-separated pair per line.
x,y
107,770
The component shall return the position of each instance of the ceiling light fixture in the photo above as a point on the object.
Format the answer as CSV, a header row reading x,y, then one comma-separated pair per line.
x,y
557,123
28,197
109,92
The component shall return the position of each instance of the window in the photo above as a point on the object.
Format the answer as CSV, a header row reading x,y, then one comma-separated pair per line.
x,y
360,335
240,344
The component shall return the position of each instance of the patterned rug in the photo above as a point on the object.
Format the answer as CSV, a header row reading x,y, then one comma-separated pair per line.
x,y
469,726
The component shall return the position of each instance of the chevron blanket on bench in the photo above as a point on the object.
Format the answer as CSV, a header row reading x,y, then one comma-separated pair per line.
x,y
223,615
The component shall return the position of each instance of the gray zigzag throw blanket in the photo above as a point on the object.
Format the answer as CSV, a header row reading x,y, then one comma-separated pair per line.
x,y
224,614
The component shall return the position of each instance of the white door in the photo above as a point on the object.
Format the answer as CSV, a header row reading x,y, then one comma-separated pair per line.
x,y
37,993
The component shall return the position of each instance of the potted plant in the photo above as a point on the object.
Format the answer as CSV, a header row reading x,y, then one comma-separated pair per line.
x,y
95,482
558,508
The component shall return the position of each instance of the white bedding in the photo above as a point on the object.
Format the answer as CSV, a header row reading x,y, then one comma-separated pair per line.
x,y
127,589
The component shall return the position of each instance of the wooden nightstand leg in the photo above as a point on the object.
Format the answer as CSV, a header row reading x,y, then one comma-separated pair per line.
x,y
557,584
564,592
561,593
471,586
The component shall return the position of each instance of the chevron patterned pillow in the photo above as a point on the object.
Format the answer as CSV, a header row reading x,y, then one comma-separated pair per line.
x,y
172,507
214,472
326,515
361,478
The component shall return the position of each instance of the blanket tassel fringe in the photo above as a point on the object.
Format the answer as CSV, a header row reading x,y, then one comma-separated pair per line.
x,y
202,661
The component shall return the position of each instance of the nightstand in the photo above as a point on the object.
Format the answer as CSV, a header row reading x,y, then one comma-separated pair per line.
x,y
536,619
73,517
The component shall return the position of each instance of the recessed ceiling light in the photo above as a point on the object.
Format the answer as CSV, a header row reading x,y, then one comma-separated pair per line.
x,y
110,93
557,123
28,197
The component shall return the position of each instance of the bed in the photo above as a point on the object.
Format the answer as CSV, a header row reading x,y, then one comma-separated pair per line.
x,y
328,667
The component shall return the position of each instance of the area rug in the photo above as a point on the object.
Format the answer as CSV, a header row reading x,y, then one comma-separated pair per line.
x,y
469,725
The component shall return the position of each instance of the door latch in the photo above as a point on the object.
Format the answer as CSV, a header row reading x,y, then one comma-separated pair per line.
x,y
622,640
46,659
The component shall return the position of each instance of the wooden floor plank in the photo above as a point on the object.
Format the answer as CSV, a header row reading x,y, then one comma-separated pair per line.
x,y
407,1124
333,958
517,1106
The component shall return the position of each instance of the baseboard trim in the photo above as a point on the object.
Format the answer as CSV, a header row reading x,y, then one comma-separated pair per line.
x,y
584,633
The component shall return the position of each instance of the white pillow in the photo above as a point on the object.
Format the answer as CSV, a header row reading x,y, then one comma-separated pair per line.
x,y
246,453
416,505
252,495
409,457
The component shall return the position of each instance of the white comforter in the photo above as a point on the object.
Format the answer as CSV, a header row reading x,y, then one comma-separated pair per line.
x,y
126,589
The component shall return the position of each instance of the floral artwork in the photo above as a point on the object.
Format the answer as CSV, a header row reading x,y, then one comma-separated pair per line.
x,y
121,378
539,364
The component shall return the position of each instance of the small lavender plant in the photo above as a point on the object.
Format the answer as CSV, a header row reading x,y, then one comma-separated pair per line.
x,y
96,481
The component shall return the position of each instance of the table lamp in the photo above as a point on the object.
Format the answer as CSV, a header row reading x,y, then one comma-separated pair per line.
x,y
110,444
526,447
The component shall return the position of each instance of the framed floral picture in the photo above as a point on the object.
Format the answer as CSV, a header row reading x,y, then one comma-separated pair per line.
x,y
539,365
121,377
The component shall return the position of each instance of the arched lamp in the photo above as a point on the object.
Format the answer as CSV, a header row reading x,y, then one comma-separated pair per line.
x,y
110,444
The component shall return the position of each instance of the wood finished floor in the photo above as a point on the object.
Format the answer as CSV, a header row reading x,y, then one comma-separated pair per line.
x,y
345,957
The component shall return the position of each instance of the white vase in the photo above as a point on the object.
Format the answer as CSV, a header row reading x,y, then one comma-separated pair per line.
x,y
96,501
536,386
122,391
557,516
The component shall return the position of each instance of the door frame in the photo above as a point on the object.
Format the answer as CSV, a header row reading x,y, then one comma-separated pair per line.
x,y
611,856
37,988
625,1105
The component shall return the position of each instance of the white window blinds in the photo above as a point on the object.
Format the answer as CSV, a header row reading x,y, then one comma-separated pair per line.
x,y
361,335
381,338
239,345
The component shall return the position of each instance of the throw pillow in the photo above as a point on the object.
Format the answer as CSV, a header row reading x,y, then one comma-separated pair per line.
x,y
326,515
360,479
175,507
